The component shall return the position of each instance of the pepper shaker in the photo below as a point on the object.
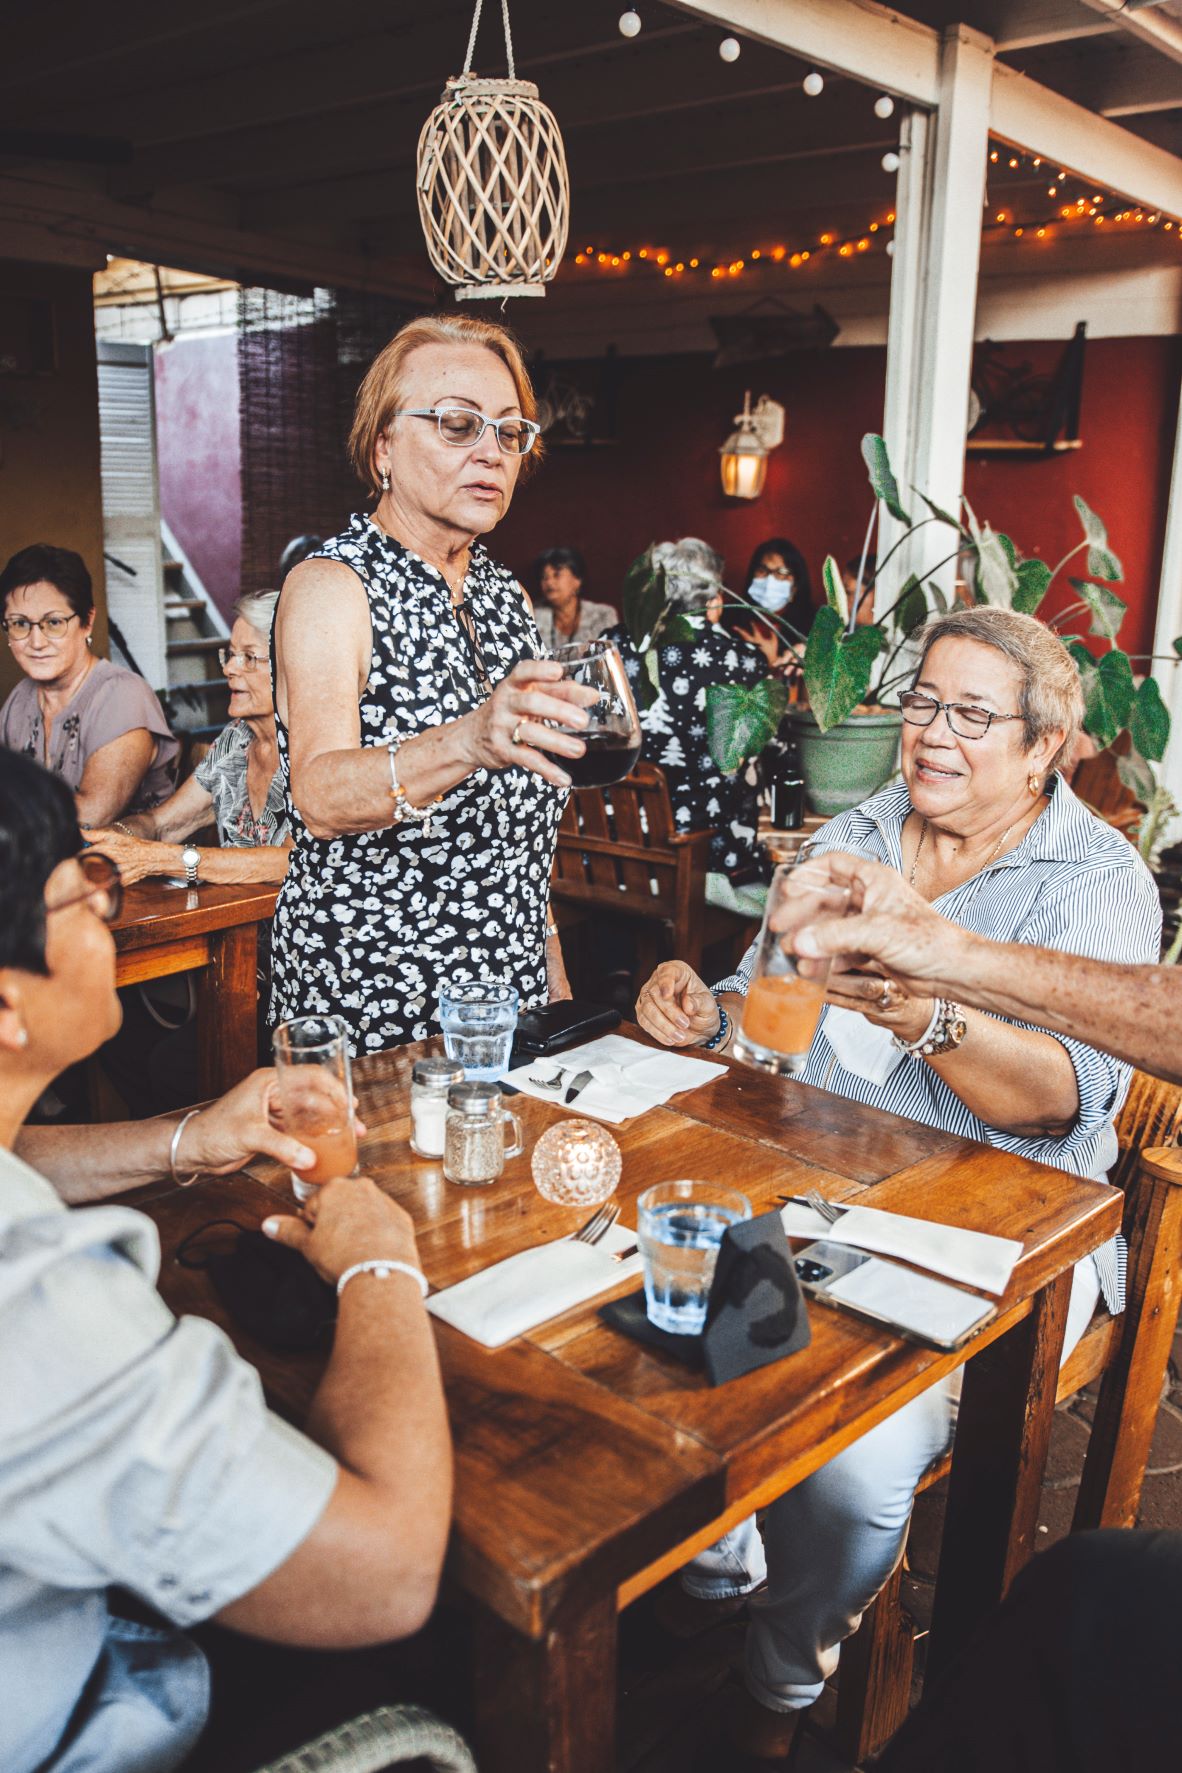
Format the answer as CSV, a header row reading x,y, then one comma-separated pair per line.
x,y
474,1149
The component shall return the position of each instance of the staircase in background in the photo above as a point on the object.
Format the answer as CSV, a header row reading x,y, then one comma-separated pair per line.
x,y
196,697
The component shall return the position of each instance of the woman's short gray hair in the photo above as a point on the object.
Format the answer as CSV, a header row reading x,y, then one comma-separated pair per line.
x,y
258,608
1051,694
693,570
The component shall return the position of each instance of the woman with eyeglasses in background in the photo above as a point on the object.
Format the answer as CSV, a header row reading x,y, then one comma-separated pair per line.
x,y
419,730
237,785
96,725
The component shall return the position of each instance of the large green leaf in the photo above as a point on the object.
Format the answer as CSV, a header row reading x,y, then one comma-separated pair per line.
x,y
1102,562
835,592
1176,643
741,718
643,598
1108,610
882,476
996,573
837,666
1108,693
938,511
1136,775
647,686
911,611
1150,721
678,628
1033,578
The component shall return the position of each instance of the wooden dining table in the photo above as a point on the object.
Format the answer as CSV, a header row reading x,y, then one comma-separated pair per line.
x,y
589,1466
164,929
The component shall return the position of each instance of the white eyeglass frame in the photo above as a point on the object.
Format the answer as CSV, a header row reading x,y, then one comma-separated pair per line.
x,y
532,429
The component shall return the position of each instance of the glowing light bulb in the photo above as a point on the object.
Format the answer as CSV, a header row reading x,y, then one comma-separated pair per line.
x,y
890,246
629,23
729,49
890,161
813,84
884,107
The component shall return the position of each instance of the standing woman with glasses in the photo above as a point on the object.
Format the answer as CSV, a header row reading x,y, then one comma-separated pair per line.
x,y
424,780
96,725
237,785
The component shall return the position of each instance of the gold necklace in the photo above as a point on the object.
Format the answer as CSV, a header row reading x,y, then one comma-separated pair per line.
x,y
992,856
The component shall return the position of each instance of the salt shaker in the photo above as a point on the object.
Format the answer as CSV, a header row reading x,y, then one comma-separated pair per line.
x,y
430,1080
474,1146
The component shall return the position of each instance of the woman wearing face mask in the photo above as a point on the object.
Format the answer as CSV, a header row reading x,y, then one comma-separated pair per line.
x,y
777,583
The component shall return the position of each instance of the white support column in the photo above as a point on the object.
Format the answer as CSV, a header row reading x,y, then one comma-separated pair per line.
x,y
934,286
1169,624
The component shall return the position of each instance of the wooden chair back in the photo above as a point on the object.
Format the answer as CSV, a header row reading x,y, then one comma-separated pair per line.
x,y
619,851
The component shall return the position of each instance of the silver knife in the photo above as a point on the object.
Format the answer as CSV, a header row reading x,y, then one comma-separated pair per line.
x,y
578,1085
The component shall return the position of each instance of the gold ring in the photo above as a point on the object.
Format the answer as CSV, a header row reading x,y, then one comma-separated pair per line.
x,y
515,735
885,998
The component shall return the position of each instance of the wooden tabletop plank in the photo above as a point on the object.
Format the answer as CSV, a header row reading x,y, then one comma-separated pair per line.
x,y
154,912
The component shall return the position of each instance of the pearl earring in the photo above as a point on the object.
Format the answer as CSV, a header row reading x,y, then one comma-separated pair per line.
x,y
22,1037
384,480
1034,785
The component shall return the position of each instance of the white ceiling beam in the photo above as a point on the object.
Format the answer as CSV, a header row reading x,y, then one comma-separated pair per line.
x,y
1029,24
869,42
1147,83
1031,117
1158,29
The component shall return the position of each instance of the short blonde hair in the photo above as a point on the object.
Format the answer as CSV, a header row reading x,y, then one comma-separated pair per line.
x,y
381,392
1051,694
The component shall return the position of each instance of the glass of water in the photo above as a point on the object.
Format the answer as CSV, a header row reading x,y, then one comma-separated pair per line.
x,y
680,1227
479,1021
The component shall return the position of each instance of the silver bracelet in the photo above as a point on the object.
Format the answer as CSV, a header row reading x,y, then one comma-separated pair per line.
x,y
383,1267
174,1147
943,1034
404,812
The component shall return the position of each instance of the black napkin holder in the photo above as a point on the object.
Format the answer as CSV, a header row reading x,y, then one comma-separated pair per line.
x,y
756,1312
268,1290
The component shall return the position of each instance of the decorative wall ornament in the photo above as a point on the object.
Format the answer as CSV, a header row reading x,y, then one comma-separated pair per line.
x,y
493,187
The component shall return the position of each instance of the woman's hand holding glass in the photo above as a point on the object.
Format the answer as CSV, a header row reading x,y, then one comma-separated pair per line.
x,y
676,1007
510,728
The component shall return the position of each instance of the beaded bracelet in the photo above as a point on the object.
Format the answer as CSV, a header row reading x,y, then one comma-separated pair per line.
x,y
718,1039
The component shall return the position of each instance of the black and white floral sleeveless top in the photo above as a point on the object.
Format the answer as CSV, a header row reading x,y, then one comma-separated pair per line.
x,y
367,927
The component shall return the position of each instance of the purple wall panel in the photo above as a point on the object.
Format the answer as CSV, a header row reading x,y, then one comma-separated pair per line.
x,y
200,458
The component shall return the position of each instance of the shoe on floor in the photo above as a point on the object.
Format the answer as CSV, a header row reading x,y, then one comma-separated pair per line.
x,y
685,1615
766,1737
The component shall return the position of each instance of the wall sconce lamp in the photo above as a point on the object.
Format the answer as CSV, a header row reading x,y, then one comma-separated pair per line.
x,y
744,454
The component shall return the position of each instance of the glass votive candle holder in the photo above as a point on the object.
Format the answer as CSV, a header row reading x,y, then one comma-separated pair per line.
x,y
576,1164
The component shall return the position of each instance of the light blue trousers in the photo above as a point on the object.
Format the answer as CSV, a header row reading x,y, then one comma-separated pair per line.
x,y
829,1544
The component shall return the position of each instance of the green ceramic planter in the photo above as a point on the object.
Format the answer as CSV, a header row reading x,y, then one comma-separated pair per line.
x,y
849,763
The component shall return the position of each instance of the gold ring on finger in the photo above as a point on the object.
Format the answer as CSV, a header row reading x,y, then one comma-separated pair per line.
x,y
515,735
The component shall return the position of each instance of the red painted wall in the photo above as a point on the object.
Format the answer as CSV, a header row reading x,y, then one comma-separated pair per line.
x,y
661,479
199,457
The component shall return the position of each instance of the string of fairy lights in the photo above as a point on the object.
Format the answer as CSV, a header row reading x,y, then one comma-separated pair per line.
x,y
1076,206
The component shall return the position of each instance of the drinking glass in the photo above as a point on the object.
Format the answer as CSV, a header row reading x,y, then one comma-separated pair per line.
x,y
613,734
782,1009
680,1226
479,1020
316,1095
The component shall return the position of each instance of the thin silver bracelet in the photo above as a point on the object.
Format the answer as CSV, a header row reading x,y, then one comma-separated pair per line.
x,y
384,1268
174,1147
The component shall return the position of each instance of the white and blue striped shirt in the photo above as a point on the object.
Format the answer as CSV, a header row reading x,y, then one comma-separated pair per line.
x,y
1073,884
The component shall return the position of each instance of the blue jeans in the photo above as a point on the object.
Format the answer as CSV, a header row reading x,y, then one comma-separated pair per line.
x,y
829,1544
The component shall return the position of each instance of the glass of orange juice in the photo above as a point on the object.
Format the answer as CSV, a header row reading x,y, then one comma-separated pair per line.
x,y
316,1095
782,1009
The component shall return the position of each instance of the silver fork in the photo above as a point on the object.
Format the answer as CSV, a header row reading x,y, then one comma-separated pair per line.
x,y
548,1083
828,1209
598,1225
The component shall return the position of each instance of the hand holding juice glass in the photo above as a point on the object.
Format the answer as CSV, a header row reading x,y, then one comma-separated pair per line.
x,y
316,1095
782,1008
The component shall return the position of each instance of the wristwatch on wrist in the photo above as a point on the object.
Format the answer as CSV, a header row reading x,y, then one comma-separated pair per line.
x,y
943,1034
190,862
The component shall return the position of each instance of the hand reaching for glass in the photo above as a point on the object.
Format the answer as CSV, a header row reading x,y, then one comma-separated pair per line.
x,y
889,926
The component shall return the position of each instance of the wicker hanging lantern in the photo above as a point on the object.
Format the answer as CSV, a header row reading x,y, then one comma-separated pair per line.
x,y
494,192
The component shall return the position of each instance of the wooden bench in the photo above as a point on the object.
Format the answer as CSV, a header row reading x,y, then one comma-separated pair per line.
x,y
1128,1354
618,852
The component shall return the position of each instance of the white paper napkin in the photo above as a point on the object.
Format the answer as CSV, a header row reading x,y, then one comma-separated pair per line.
x,y
530,1288
862,1047
628,1079
975,1258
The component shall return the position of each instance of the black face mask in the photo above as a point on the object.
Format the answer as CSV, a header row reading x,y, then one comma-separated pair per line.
x,y
268,1290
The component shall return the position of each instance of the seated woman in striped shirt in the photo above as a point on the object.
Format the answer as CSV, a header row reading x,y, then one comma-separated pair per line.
x,y
984,828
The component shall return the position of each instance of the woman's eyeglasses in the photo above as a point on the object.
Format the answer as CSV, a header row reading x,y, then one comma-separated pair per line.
x,y
51,627
104,888
461,426
242,661
965,720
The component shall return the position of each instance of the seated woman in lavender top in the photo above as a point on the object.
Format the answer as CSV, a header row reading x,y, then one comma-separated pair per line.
x,y
96,725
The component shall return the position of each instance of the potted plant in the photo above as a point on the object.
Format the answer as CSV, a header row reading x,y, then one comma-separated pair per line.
x,y
847,732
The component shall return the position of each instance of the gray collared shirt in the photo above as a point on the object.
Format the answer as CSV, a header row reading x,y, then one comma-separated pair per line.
x,y
135,1449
